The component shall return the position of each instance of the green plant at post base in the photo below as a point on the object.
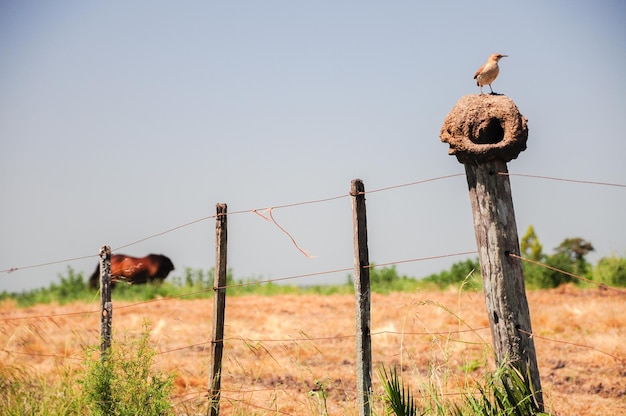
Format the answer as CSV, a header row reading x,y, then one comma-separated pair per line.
x,y
505,393
124,384
397,396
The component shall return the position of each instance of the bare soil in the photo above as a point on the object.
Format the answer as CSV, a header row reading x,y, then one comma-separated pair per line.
x,y
295,354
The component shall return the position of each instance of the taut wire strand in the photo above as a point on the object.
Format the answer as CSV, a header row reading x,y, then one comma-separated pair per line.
x,y
584,279
562,179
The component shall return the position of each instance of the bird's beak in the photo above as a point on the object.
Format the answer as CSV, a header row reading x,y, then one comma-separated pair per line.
x,y
505,56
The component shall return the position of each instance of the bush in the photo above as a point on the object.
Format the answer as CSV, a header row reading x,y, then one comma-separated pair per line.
x,y
458,273
386,280
540,277
610,271
124,383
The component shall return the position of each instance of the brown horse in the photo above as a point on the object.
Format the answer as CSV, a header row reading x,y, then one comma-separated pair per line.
x,y
135,270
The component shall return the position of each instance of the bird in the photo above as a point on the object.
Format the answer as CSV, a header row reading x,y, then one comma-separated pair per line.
x,y
487,73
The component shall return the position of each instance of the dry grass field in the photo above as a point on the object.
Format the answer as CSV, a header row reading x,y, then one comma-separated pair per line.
x,y
294,354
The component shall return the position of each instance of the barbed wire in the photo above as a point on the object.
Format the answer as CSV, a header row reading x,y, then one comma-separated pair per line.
x,y
340,337
308,338
289,205
346,269
328,338
241,284
575,344
178,227
581,278
562,179
300,276
49,316
34,354
50,263
196,395
304,338
388,188
273,411
187,224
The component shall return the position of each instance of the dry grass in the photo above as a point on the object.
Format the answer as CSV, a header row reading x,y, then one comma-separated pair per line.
x,y
279,351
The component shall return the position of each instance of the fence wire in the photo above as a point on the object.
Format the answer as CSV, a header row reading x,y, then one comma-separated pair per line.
x,y
296,204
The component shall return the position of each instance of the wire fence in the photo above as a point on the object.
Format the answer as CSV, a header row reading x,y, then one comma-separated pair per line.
x,y
14,322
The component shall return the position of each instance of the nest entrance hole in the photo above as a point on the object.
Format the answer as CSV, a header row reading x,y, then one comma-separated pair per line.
x,y
493,133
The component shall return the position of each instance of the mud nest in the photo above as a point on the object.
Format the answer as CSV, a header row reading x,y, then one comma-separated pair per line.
x,y
481,128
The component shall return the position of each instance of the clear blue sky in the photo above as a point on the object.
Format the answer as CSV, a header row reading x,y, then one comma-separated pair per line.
x,y
119,120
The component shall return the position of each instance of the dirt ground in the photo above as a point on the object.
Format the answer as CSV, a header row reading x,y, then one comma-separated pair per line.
x,y
295,354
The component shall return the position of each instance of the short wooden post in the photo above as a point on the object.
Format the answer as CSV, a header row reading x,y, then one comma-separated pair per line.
x,y
363,298
484,133
219,302
106,314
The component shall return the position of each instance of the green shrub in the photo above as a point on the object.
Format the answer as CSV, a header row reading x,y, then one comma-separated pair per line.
x,y
540,277
610,271
124,384
386,280
458,273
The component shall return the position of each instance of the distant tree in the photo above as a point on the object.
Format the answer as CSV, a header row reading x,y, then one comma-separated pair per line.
x,y
576,249
530,246
535,275
552,278
569,256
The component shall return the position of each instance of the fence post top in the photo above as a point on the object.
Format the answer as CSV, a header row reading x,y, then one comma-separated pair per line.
x,y
105,251
481,128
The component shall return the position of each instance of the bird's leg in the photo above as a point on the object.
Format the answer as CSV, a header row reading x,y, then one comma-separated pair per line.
x,y
492,93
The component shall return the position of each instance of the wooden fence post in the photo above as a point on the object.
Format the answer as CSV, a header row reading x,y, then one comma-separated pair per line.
x,y
106,313
484,133
363,298
219,302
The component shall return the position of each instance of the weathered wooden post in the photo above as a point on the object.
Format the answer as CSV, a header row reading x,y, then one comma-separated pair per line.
x,y
219,309
484,133
106,312
363,298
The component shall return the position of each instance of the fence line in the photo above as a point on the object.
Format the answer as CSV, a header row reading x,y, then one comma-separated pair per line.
x,y
307,338
242,284
289,205
294,277
346,269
